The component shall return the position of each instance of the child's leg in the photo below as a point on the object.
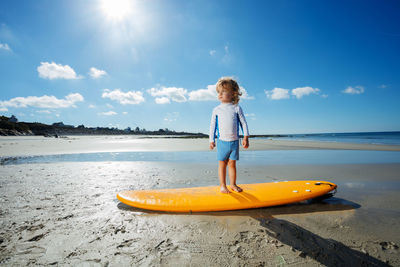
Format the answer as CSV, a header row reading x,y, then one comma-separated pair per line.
x,y
222,175
232,176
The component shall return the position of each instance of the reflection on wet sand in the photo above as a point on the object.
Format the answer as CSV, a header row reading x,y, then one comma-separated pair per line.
x,y
67,214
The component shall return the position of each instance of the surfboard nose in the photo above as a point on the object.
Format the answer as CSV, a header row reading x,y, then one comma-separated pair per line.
x,y
334,186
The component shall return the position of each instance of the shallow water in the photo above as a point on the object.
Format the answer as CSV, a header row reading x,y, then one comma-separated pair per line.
x,y
274,157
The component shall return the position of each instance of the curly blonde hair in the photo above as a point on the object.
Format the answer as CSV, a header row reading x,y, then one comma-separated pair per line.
x,y
230,84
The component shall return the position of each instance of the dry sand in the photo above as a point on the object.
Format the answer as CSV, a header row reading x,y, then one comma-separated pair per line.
x,y
68,214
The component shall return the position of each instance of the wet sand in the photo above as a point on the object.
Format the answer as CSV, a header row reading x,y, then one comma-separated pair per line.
x,y
68,214
37,145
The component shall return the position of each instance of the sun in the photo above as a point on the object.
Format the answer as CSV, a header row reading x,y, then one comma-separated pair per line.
x,y
116,10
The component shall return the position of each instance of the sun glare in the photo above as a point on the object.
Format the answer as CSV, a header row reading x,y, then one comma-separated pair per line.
x,y
126,20
116,10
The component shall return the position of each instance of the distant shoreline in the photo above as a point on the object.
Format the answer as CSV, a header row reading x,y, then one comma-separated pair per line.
x,y
9,126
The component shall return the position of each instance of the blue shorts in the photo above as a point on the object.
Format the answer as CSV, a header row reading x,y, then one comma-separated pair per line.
x,y
227,149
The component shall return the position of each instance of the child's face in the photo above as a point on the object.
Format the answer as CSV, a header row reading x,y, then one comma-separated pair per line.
x,y
225,96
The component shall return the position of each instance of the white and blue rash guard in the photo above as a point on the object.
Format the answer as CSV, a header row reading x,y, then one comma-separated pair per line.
x,y
225,121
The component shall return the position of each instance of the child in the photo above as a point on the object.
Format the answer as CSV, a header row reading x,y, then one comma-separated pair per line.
x,y
225,121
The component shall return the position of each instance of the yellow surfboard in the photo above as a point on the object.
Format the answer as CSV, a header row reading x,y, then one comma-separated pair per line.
x,y
200,199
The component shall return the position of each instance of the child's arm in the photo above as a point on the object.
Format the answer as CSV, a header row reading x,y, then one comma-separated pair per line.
x,y
245,128
213,129
243,122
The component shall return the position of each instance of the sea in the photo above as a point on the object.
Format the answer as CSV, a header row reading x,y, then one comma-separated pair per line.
x,y
380,138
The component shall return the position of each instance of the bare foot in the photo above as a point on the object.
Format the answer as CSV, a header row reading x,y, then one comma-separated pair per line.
x,y
225,190
236,188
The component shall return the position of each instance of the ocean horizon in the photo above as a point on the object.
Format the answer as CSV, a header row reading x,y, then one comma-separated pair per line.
x,y
379,138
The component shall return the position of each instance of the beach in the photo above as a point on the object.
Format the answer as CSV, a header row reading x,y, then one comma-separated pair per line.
x,y
66,213
38,145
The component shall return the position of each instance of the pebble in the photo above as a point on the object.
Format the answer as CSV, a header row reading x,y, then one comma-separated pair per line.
x,y
302,254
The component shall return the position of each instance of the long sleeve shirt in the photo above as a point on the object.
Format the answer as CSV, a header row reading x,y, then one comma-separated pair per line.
x,y
225,121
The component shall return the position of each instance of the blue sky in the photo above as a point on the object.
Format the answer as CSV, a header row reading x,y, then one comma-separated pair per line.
x,y
304,66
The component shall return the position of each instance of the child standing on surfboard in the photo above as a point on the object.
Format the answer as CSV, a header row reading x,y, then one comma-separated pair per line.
x,y
225,121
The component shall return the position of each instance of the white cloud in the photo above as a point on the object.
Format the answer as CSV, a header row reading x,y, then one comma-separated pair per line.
x,y
56,71
302,91
43,111
245,95
277,93
128,98
356,90
223,54
125,113
164,95
172,93
162,100
382,86
5,47
108,113
74,97
92,106
3,109
42,101
96,73
109,106
251,116
281,93
171,117
208,94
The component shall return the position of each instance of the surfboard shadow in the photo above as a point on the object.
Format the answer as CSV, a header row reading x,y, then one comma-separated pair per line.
x,y
326,251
